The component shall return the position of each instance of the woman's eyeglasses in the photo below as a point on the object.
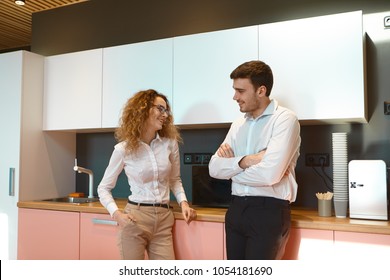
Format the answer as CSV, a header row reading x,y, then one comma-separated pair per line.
x,y
161,109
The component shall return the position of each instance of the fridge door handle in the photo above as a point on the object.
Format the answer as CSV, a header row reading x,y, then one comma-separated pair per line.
x,y
11,186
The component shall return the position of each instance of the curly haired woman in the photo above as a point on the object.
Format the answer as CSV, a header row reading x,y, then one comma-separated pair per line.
x,y
148,152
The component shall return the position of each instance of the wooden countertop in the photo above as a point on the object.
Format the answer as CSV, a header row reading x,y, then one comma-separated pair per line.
x,y
301,218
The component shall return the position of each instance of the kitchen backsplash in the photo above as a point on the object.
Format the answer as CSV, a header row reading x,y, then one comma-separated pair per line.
x,y
94,151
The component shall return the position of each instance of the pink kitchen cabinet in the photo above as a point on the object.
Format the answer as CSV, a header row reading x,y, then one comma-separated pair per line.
x,y
206,241
306,244
98,237
48,235
198,240
362,246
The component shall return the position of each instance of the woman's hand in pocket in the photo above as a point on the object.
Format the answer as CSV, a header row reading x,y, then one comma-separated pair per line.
x,y
123,218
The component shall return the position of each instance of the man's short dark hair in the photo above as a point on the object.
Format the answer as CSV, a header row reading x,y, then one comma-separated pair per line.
x,y
257,71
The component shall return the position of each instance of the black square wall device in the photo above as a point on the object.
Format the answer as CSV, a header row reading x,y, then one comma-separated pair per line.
x,y
387,108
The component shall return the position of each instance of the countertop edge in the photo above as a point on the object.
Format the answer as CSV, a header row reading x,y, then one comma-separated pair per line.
x,y
300,218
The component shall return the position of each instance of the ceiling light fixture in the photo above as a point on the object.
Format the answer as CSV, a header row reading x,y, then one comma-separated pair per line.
x,y
20,2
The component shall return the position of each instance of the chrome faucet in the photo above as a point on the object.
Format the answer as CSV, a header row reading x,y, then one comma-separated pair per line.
x,y
87,171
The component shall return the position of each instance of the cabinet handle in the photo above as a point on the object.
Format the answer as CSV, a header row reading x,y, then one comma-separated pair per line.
x,y
104,222
11,187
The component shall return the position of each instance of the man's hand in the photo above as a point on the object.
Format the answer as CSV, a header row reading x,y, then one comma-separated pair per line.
x,y
225,151
249,160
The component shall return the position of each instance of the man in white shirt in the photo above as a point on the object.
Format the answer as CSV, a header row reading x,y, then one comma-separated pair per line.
x,y
259,155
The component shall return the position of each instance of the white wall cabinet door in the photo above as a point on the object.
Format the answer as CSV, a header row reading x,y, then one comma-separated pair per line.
x,y
203,62
130,68
318,66
73,91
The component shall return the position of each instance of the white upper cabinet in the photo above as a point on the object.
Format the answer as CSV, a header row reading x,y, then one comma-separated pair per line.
x,y
73,91
202,88
130,68
318,66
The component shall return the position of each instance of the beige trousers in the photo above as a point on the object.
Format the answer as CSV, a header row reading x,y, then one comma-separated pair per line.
x,y
151,232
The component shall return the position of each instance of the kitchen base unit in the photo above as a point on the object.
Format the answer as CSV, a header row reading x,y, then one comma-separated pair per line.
x,y
199,240
306,244
48,235
89,232
98,237
357,246
65,235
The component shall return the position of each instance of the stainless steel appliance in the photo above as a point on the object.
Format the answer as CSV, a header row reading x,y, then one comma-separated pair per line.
x,y
367,189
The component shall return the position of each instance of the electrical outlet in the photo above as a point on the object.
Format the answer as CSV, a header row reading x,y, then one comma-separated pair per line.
x,y
317,159
387,108
197,158
387,21
187,158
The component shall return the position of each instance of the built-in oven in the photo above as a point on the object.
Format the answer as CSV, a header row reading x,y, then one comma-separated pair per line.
x,y
208,191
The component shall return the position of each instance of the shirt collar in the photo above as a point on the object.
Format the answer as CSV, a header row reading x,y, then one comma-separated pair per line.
x,y
157,138
271,108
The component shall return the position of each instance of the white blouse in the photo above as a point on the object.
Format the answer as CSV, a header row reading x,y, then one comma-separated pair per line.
x,y
152,172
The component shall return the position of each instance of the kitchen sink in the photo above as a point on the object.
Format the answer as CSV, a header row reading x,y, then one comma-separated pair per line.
x,y
72,199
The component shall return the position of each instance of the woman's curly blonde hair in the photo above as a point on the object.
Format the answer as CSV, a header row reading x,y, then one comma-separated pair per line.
x,y
134,116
